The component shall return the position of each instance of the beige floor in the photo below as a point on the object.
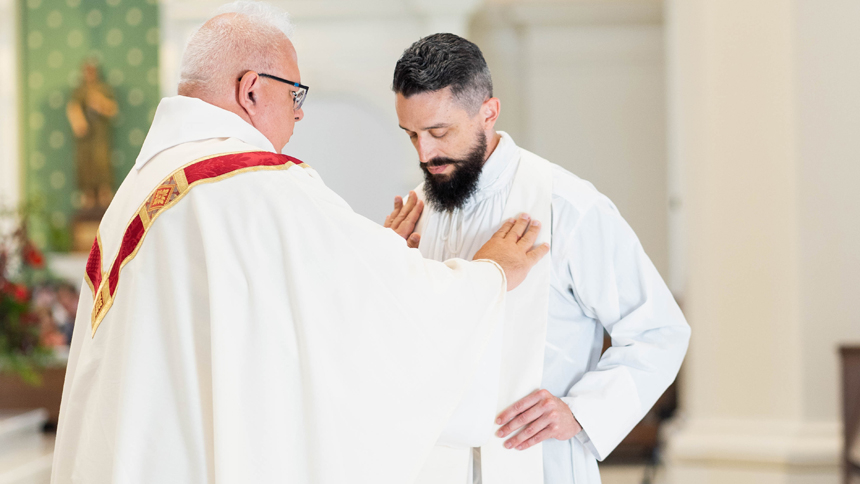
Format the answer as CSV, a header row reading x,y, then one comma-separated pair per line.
x,y
623,474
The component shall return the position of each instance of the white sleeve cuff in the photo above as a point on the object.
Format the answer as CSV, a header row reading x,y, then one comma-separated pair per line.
x,y
582,436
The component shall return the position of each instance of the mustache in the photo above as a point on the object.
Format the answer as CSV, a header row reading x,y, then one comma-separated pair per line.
x,y
441,161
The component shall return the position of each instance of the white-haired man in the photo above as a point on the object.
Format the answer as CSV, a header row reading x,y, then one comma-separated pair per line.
x,y
241,324
561,404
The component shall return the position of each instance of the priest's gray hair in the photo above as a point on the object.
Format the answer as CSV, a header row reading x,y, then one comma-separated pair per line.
x,y
445,60
240,36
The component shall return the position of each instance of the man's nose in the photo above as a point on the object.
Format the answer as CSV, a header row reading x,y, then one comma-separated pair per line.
x,y
425,151
300,114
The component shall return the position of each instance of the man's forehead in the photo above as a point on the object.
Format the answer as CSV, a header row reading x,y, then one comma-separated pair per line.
x,y
428,110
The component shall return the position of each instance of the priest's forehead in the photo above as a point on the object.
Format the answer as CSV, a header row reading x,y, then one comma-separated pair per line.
x,y
287,61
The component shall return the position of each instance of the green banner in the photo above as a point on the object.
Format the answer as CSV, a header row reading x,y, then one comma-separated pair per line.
x,y
62,163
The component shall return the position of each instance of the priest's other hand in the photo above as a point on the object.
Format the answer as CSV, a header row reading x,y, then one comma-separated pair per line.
x,y
512,247
404,217
542,416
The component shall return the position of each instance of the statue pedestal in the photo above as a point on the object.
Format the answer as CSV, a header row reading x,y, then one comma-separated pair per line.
x,y
85,226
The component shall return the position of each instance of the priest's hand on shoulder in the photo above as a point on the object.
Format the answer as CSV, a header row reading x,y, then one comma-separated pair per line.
x,y
404,217
512,247
541,416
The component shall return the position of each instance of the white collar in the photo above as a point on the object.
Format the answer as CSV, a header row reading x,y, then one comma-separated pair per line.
x,y
498,170
181,119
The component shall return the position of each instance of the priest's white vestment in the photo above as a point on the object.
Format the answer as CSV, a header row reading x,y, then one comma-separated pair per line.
x,y
241,324
599,278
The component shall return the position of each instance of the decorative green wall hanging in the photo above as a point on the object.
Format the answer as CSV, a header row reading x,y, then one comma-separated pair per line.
x,y
58,38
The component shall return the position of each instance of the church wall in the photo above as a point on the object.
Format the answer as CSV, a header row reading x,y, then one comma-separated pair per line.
x,y
828,76
764,115
56,38
583,85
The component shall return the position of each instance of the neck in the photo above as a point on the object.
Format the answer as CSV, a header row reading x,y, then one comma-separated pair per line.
x,y
493,139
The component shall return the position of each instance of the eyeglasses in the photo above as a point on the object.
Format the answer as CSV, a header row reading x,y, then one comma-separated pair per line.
x,y
298,96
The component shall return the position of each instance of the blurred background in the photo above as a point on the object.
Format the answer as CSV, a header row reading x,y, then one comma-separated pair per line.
x,y
727,132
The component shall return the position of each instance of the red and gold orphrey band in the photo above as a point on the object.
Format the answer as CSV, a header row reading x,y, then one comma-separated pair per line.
x,y
167,194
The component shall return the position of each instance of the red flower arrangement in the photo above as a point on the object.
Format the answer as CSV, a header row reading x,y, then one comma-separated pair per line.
x,y
22,267
32,256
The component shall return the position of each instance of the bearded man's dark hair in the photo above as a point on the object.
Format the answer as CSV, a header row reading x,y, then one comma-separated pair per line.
x,y
442,60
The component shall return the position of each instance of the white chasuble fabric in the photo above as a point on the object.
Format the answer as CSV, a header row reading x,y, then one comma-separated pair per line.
x,y
253,329
515,362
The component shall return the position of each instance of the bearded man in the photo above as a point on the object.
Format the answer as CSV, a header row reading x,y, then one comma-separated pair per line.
x,y
562,406
240,323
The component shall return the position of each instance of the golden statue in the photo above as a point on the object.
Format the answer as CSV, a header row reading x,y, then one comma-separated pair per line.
x,y
90,110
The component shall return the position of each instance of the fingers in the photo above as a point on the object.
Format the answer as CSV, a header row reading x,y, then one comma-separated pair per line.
x,y
414,214
407,207
537,253
520,226
521,420
540,437
398,205
413,241
520,406
528,238
527,433
504,229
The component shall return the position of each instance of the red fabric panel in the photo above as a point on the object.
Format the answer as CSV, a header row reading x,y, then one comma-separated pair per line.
x,y
222,165
94,265
130,240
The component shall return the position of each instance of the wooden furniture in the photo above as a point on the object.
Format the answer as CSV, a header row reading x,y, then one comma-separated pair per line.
x,y
851,412
15,394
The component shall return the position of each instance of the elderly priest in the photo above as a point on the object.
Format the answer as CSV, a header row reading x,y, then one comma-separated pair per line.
x,y
242,324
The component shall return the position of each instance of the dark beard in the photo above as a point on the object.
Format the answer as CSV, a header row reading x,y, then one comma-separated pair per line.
x,y
450,192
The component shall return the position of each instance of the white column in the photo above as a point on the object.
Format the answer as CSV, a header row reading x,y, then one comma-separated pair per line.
x,y
759,100
10,181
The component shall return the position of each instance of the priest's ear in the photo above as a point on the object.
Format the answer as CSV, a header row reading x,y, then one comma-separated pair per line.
x,y
489,112
248,92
